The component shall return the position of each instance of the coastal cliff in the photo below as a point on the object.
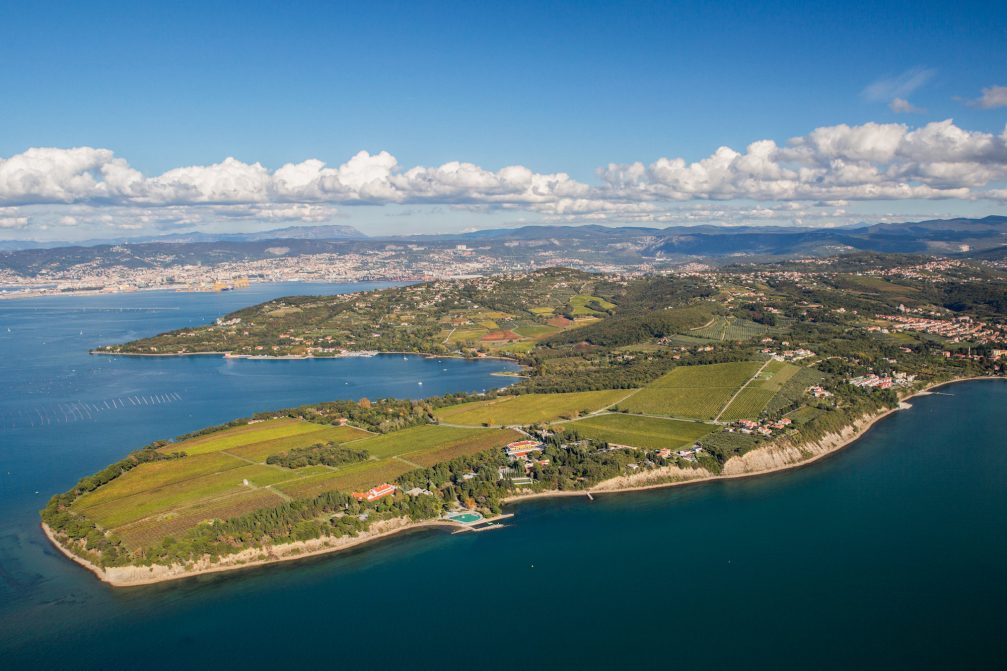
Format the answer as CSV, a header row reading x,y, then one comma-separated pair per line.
x,y
129,576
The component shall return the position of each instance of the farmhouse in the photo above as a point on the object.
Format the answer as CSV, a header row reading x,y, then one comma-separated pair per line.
x,y
375,493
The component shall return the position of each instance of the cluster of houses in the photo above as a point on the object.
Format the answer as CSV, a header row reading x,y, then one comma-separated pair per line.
x,y
788,354
874,381
819,392
689,454
763,427
524,455
955,329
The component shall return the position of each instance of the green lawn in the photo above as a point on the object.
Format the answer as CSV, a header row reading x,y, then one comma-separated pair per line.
x,y
646,432
528,408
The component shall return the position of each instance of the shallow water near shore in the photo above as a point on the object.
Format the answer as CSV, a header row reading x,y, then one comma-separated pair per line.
x,y
886,554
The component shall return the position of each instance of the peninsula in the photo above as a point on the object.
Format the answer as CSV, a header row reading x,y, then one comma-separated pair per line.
x,y
631,382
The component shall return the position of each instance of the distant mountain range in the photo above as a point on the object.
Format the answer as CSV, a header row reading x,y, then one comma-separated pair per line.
x,y
938,236
327,232
985,238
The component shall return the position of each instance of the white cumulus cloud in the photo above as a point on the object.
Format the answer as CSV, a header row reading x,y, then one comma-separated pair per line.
x,y
840,163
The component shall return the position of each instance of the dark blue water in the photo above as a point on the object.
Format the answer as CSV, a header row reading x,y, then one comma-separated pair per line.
x,y
886,555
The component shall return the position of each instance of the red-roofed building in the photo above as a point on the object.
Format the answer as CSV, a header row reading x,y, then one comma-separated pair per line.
x,y
522,448
375,493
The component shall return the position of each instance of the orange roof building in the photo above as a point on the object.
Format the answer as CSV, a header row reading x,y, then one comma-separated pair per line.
x,y
375,493
522,448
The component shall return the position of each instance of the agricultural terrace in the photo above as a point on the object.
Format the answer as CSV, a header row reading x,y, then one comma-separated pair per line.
x,y
645,432
528,408
224,473
699,392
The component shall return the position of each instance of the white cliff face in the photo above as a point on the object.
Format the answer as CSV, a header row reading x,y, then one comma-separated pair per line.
x,y
783,453
665,475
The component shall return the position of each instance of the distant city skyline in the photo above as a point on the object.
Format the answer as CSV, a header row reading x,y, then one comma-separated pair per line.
x,y
125,120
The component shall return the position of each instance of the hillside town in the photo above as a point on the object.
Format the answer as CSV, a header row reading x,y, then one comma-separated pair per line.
x,y
390,262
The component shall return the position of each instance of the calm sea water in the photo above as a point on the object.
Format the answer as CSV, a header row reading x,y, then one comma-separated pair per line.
x,y
888,554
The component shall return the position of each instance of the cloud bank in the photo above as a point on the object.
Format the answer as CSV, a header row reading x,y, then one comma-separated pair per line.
x,y
869,162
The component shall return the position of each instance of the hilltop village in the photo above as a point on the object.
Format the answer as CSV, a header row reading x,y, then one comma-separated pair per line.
x,y
627,381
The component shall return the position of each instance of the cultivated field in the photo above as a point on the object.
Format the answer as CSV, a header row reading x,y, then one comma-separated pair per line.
x,y
528,408
582,305
699,392
244,435
355,477
757,395
259,451
748,404
416,439
225,474
151,530
646,432
731,328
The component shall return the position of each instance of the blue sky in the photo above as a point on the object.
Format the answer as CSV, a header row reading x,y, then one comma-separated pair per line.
x,y
553,87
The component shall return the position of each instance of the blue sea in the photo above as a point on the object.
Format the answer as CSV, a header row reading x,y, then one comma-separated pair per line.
x,y
888,554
